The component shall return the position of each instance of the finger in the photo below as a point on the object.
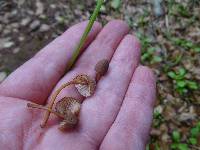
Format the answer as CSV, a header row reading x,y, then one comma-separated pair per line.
x,y
131,128
99,111
102,47
35,79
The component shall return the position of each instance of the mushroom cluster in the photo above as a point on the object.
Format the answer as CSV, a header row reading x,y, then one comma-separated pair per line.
x,y
68,108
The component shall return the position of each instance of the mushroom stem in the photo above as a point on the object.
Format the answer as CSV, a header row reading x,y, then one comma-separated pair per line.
x,y
50,105
55,94
33,105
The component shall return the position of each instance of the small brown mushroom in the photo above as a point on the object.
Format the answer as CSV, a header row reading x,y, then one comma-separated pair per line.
x,y
67,104
80,79
87,89
67,108
70,121
101,68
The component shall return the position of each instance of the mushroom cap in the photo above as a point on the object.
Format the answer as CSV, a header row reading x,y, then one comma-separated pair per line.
x,y
102,67
68,104
88,88
69,122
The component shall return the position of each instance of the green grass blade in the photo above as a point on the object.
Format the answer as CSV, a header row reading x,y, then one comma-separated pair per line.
x,y
85,34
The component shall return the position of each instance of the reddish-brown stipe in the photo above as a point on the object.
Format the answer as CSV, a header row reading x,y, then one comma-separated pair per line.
x,y
67,108
79,80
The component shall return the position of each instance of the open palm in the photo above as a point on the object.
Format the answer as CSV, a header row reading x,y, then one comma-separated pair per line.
x,y
118,116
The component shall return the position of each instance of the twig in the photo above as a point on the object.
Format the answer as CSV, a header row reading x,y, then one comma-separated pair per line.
x,y
50,105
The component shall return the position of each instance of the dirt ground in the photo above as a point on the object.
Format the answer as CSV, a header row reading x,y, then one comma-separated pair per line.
x,y
169,31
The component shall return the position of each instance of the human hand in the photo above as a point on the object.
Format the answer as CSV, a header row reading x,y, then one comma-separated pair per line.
x,y
118,116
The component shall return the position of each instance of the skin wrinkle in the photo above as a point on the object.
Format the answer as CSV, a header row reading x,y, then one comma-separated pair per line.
x,y
102,41
22,137
35,88
29,135
90,140
55,133
6,121
138,123
145,113
102,116
113,60
112,121
143,110
108,129
130,143
145,125
23,128
106,39
50,65
129,136
141,97
24,133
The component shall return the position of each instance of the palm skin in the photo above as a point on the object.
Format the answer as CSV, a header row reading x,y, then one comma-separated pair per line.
x,y
118,116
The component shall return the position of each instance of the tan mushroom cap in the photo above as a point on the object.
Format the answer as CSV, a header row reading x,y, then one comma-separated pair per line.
x,y
102,67
88,88
67,104
69,122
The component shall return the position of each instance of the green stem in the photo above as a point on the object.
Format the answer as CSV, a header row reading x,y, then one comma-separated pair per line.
x,y
85,34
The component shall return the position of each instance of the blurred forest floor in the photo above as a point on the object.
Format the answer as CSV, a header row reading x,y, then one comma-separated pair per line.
x,y
169,31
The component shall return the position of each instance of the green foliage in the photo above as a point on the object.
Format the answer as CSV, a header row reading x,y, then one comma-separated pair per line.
x,y
158,119
147,147
130,21
179,75
115,4
177,145
157,147
182,85
194,133
182,42
192,139
143,19
176,136
150,56
145,41
148,51
186,44
197,49
178,9
182,10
